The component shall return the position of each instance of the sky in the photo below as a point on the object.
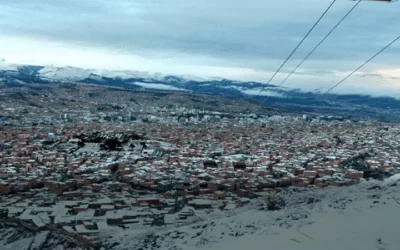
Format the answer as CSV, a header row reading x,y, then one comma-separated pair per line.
x,y
238,40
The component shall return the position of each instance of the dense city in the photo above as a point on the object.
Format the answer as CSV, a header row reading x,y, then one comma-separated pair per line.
x,y
83,171
195,125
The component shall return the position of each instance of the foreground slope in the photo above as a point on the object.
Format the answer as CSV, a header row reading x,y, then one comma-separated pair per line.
x,y
360,226
359,217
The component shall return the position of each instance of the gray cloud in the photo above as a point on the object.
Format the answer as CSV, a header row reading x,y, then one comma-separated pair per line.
x,y
255,34
238,29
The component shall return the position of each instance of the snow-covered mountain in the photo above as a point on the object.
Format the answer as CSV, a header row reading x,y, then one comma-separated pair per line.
x,y
53,73
384,108
134,78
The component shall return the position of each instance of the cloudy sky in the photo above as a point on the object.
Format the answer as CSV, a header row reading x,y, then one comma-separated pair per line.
x,y
235,39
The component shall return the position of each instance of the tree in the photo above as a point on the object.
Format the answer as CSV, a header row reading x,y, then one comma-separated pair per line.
x,y
114,168
81,144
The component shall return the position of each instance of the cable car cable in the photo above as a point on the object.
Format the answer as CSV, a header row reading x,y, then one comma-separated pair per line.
x,y
316,47
308,33
362,65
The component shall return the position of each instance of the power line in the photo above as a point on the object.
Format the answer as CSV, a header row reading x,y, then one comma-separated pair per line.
x,y
362,65
316,47
308,33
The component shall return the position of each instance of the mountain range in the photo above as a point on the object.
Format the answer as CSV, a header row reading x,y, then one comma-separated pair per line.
x,y
294,100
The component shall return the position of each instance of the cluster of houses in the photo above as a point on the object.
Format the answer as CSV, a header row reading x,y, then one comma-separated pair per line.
x,y
174,173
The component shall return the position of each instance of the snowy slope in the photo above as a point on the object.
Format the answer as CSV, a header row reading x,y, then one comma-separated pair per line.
x,y
158,86
292,100
64,74
358,217
78,74
265,92
7,66
357,227
14,237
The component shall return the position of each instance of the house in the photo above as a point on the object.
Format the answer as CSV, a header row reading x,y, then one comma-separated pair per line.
x,y
81,208
210,164
152,201
4,188
309,173
82,230
107,207
200,203
354,174
164,186
219,195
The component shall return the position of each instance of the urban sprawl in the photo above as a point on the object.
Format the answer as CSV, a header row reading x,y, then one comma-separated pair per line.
x,y
83,171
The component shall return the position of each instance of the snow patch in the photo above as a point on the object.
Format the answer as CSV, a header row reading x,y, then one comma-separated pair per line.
x,y
158,86
22,244
125,74
76,74
256,91
64,74
7,66
392,180
263,93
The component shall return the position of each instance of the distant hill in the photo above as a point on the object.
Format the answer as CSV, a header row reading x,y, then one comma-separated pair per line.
x,y
382,108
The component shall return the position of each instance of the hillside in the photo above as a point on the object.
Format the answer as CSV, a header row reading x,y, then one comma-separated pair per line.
x,y
358,217
291,100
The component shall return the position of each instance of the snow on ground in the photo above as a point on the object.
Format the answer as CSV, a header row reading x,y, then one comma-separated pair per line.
x,y
357,227
14,237
358,217
39,240
391,180
236,156
22,244
158,86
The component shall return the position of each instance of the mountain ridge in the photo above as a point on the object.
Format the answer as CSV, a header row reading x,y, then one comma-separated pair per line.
x,y
381,108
